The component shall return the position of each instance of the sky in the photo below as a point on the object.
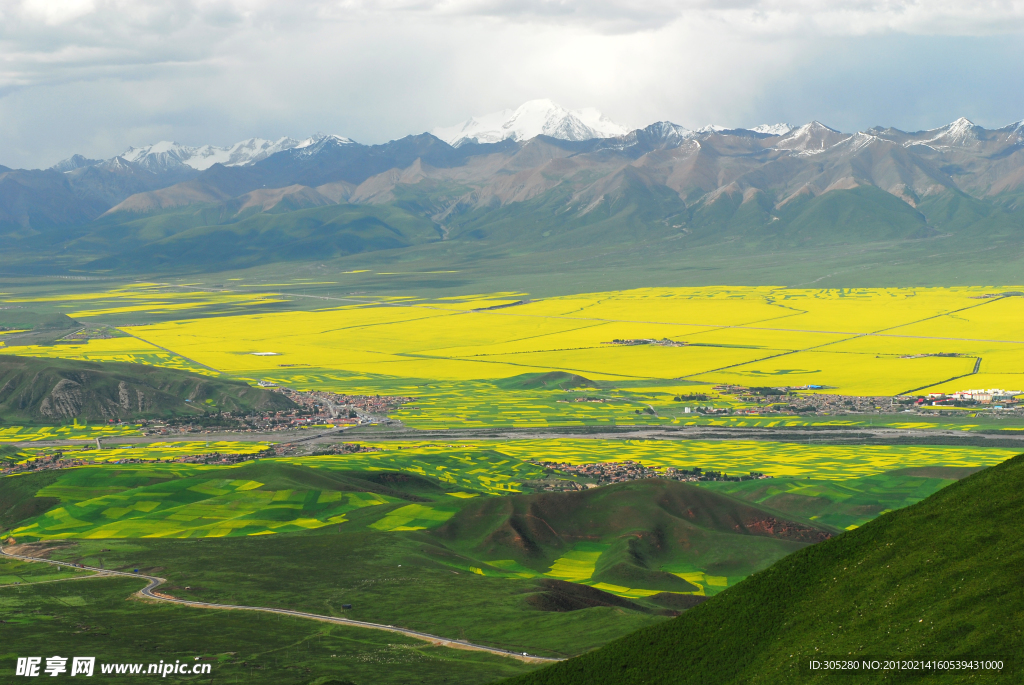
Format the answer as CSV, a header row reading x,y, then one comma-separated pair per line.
x,y
97,76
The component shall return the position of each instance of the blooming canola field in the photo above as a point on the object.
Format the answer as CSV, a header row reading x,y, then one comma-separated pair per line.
x,y
453,354
860,341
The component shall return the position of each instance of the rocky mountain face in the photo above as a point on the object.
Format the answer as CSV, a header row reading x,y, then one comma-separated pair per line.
x,y
537,165
59,391
696,165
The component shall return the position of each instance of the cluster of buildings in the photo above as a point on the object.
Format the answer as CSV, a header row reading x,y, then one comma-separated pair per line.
x,y
329,405
305,449
622,471
46,462
697,474
605,473
824,403
986,396
664,342
218,458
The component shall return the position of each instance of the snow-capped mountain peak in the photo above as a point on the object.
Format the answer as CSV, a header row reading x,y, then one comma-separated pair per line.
x,y
167,155
74,162
780,129
667,129
1018,130
531,119
811,138
956,134
158,156
322,137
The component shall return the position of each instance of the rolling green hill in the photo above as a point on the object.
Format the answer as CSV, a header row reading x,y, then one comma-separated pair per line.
x,y
58,390
938,579
205,240
639,534
552,380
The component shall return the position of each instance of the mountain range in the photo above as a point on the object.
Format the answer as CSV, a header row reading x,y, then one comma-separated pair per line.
x,y
537,172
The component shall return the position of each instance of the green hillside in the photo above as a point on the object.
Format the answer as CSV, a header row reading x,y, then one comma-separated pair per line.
x,y
205,240
938,579
639,534
60,390
552,380
633,234
846,503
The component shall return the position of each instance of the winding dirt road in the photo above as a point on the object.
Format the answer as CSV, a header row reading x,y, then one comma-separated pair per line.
x,y
149,592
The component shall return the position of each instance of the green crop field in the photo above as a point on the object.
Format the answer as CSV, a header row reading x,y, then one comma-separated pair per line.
x,y
502,465
70,432
154,451
188,500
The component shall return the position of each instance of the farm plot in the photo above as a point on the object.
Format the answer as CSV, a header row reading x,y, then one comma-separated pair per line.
x,y
148,300
453,354
792,459
98,504
485,468
844,504
155,451
744,335
128,349
75,431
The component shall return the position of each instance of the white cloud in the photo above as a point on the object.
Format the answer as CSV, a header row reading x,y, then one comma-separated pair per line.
x,y
94,76
53,12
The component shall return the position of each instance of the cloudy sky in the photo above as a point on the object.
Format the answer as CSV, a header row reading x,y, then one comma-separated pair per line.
x,y
96,76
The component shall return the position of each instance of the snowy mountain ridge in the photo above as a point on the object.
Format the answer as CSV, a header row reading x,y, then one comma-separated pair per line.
x,y
166,154
529,120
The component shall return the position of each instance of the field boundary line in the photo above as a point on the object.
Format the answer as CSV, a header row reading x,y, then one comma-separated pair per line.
x,y
977,368
712,326
155,582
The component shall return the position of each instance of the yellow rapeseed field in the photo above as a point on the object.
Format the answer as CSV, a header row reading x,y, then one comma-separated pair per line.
x,y
869,341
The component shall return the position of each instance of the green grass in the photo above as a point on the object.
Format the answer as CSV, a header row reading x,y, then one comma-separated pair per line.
x,y
92,618
936,579
844,504
15,572
403,579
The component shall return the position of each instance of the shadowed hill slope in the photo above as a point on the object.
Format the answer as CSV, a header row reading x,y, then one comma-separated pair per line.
x,y
644,531
559,380
58,390
938,579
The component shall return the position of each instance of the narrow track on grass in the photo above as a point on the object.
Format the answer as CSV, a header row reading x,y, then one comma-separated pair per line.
x,y
149,592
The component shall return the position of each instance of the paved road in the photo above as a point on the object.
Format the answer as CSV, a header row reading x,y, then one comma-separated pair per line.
x,y
815,434
154,582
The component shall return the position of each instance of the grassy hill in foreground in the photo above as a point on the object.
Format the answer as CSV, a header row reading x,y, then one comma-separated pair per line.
x,y
938,579
58,390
